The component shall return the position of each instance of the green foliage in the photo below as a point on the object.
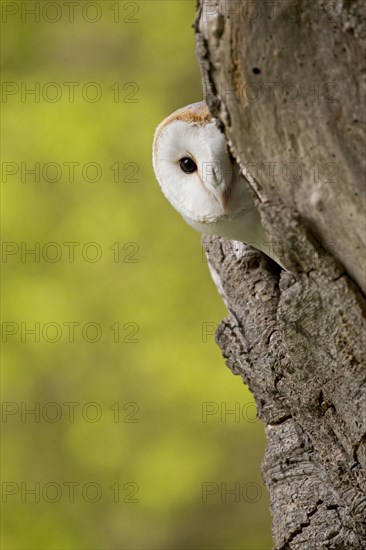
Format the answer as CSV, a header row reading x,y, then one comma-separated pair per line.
x,y
158,289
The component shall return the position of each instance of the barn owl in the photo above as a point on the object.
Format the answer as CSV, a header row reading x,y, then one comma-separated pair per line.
x,y
198,176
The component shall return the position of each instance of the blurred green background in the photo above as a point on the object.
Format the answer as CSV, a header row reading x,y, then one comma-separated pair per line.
x,y
119,453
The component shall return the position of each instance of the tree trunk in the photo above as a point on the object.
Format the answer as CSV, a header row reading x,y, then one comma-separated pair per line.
x,y
285,81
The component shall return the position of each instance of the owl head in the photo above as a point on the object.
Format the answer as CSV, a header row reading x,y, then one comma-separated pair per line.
x,y
194,168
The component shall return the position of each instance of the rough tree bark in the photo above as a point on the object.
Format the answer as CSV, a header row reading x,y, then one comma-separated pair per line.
x,y
285,81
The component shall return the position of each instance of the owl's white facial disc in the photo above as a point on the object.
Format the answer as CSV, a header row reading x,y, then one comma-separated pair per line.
x,y
204,194
196,194
212,188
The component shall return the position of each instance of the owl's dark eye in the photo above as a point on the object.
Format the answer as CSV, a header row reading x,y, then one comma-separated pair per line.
x,y
188,166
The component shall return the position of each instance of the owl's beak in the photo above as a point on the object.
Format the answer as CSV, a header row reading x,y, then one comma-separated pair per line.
x,y
220,189
224,199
